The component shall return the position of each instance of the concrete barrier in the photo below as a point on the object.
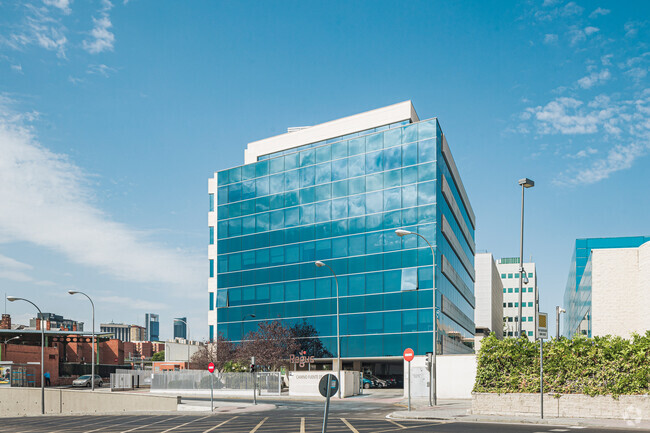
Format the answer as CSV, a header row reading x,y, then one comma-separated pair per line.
x,y
627,407
27,401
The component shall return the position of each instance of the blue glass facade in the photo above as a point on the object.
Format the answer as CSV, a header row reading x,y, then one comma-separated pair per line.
x,y
577,295
340,201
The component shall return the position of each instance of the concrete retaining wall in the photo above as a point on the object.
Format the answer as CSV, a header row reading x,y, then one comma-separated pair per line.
x,y
27,401
628,407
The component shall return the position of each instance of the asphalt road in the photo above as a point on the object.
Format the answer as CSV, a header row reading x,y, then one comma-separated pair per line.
x,y
295,417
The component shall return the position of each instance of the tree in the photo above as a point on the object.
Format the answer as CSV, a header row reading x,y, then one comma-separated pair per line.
x,y
158,356
306,337
219,353
271,344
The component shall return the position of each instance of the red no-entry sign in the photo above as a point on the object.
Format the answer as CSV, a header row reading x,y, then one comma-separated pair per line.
x,y
409,355
211,367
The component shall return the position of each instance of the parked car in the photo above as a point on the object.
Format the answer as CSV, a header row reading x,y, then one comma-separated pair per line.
x,y
367,383
380,383
390,381
85,381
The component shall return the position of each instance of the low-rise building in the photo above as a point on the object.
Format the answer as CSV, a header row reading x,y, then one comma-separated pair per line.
x,y
509,272
488,291
607,292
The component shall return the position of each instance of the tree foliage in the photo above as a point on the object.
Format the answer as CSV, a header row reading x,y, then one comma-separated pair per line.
x,y
158,356
219,353
306,337
270,344
592,366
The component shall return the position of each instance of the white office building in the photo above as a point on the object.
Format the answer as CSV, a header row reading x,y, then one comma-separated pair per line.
x,y
509,273
488,290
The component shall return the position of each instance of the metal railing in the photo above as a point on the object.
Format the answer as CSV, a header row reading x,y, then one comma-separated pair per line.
x,y
267,383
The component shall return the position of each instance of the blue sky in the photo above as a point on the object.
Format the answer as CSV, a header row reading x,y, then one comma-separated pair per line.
x,y
113,115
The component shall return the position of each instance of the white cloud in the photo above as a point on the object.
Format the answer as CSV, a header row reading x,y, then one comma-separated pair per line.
x,y
631,29
101,70
38,28
63,5
583,153
17,68
566,116
550,38
594,78
591,30
548,3
103,37
599,11
46,201
606,60
621,157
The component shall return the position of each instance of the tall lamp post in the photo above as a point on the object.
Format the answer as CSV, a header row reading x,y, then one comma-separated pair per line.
x,y
188,340
558,310
338,321
525,183
13,299
92,304
433,396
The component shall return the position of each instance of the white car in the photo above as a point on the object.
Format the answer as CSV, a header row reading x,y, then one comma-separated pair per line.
x,y
85,381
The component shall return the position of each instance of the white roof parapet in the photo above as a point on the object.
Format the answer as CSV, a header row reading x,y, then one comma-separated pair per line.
x,y
335,128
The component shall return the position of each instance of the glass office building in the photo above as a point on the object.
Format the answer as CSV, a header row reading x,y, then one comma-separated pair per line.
x,y
339,200
578,292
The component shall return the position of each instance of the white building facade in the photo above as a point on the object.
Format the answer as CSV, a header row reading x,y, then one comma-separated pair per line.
x,y
509,272
488,290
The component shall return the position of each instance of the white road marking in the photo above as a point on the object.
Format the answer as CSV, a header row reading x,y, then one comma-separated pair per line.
x,y
219,425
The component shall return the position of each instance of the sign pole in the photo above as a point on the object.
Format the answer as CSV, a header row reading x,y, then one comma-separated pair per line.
x,y
542,332
409,385
327,402
211,370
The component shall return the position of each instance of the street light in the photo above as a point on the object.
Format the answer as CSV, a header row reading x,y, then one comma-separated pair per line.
x,y
558,310
92,363
13,299
525,183
12,338
188,340
320,264
433,397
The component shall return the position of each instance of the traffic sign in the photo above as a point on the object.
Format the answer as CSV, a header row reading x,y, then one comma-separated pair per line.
x,y
334,385
211,367
542,326
409,355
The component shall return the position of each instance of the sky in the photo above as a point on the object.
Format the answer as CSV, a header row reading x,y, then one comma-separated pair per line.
x,y
114,114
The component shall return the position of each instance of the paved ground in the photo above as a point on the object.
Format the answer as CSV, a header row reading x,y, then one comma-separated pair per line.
x,y
359,415
276,421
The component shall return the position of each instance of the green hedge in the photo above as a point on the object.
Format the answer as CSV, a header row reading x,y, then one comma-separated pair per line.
x,y
592,366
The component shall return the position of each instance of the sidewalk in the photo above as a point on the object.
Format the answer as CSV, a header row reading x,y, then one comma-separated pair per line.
x,y
460,410
224,407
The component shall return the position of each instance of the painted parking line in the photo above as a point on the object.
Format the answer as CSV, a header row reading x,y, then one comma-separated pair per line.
x,y
183,425
260,425
148,425
130,420
302,425
393,422
345,421
220,424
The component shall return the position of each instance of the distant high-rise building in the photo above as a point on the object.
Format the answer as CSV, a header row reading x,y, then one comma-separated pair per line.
x,y
180,327
119,330
138,333
509,270
152,326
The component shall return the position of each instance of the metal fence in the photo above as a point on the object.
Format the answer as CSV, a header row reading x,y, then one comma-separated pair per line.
x,y
231,383
128,379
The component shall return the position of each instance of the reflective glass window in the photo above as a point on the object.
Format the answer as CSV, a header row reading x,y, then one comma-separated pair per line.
x,y
276,182
374,182
340,189
374,162
291,180
339,208
374,142
323,154
357,165
427,192
248,189
307,175
276,165
357,146
340,169
291,161
323,173
340,247
375,202
323,211
392,158
426,172
307,157
357,205
392,199
291,217
409,279
262,222
426,151
248,172
340,150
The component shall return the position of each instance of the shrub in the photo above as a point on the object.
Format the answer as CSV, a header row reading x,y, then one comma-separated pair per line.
x,y
592,366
